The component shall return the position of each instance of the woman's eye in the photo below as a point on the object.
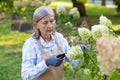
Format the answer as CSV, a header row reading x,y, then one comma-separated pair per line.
x,y
52,21
46,22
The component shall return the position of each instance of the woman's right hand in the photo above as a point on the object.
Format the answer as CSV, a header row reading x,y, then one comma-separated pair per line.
x,y
53,61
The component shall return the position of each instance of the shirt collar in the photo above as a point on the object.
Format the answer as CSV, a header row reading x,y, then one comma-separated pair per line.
x,y
50,44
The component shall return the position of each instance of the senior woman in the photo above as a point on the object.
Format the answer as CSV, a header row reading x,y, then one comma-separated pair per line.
x,y
42,52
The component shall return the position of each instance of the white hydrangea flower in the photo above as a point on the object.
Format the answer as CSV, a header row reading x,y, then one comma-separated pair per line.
x,y
108,54
84,33
69,24
60,9
75,53
99,31
75,13
105,21
87,71
102,19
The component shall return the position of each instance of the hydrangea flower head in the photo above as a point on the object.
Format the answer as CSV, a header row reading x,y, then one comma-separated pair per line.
x,y
75,13
60,9
75,53
105,21
99,31
84,33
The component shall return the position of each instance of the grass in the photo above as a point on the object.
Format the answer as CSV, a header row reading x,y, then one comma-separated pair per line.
x,y
11,43
10,65
10,52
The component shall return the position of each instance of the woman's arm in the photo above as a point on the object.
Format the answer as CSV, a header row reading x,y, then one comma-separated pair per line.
x,y
30,66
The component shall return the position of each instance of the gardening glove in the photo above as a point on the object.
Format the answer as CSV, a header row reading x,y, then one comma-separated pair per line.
x,y
75,63
53,61
83,46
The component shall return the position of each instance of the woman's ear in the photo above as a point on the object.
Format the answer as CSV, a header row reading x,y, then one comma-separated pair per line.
x,y
35,24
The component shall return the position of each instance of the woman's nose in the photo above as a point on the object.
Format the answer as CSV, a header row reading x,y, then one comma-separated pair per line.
x,y
50,24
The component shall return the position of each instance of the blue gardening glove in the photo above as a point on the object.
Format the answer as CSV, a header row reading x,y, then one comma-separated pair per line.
x,y
75,63
53,61
83,46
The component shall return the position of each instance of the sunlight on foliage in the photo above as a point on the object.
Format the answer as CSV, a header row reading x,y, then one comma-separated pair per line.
x,y
8,37
116,27
14,37
83,1
66,4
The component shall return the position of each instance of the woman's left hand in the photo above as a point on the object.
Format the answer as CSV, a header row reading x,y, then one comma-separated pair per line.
x,y
83,46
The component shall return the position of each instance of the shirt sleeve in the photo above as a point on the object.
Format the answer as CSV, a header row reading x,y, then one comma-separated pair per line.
x,y
65,47
30,68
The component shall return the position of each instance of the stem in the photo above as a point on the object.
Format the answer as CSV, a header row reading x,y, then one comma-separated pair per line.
x,y
105,77
74,74
92,60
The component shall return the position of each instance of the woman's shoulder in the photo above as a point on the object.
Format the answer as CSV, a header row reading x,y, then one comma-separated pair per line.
x,y
60,37
30,40
57,34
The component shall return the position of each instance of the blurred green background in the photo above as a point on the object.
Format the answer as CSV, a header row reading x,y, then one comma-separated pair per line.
x,y
11,41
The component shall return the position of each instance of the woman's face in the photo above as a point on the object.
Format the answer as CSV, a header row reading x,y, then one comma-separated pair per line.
x,y
46,25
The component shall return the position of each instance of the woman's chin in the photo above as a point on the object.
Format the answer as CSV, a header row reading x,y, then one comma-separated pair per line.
x,y
50,33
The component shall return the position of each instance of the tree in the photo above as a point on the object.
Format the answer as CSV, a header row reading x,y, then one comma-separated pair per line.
x,y
6,5
117,2
81,7
103,3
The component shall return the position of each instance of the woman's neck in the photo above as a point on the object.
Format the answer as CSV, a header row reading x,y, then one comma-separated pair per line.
x,y
46,38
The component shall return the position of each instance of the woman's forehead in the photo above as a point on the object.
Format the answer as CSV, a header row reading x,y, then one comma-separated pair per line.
x,y
48,17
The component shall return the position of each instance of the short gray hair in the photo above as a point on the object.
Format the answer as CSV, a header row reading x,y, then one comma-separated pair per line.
x,y
41,12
